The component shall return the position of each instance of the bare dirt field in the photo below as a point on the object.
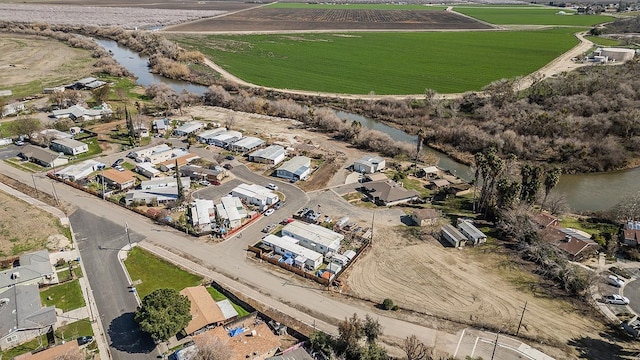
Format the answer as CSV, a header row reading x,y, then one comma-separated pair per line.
x,y
268,19
25,228
147,4
28,59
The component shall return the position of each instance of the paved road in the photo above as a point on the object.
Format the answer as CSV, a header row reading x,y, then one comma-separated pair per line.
x,y
99,241
279,290
632,291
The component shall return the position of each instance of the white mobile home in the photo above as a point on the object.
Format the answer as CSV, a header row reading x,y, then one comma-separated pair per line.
x,y
314,237
272,155
246,144
296,168
255,194
205,136
225,139
471,232
369,164
69,146
288,247
187,128
453,236
231,212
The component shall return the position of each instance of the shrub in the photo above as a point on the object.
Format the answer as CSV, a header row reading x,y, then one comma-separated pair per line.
x,y
387,304
620,272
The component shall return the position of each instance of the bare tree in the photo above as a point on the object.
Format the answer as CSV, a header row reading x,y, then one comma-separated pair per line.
x,y
230,121
211,348
415,349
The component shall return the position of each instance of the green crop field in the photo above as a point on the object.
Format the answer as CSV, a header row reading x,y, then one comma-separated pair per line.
x,y
601,41
354,6
527,15
383,63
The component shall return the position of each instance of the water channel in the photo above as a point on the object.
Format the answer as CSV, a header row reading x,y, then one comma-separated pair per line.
x,y
584,192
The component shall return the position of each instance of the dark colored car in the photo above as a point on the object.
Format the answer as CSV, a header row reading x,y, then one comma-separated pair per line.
x,y
228,166
229,157
118,162
83,340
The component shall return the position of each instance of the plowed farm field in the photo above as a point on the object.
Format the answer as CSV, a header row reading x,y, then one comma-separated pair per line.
x,y
274,19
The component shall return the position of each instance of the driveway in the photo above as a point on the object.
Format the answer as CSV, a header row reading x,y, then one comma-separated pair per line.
x,y
99,241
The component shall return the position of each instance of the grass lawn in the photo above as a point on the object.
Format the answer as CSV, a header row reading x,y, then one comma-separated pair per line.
x,y
218,296
94,149
123,87
35,344
383,63
593,228
417,185
601,41
24,165
155,273
354,6
515,15
67,296
74,330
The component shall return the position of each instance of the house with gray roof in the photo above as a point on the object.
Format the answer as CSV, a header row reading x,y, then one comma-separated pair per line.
x,y
369,164
272,155
297,168
35,268
247,144
43,157
69,146
187,128
206,135
388,193
80,170
22,317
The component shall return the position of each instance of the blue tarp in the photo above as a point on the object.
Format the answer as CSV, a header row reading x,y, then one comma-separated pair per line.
x,y
289,261
236,331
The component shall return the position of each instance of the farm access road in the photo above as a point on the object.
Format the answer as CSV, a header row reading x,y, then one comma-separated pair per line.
x,y
559,65
229,265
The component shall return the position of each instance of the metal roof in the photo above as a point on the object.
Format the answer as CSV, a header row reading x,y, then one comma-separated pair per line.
x,y
291,246
471,230
312,232
69,143
271,152
296,165
249,142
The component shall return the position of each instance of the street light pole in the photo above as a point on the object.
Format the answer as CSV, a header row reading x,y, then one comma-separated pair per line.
x,y
126,229
102,176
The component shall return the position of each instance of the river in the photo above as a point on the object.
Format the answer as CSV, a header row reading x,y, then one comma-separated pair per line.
x,y
584,192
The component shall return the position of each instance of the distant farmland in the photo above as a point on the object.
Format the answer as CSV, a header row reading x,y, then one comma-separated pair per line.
x,y
528,15
383,63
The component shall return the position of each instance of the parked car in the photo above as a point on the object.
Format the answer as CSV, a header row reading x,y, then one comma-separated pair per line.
x,y
83,340
272,186
268,228
228,166
19,142
216,182
269,212
204,183
229,157
615,281
118,162
119,168
615,299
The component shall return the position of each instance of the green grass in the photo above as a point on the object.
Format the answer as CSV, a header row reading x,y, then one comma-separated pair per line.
x,y
592,228
155,273
64,275
383,63
354,6
218,296
74,330
94,149
600,41
123,86
24,165
8,129
417,185
514,15
35,344
67,296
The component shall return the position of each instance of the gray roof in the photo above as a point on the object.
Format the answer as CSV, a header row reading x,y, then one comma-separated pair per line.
x,y
95,84
87,80
470,229
249,142
296,165
271,152
38,153
297,354
23,310
32,266
228,311
370,160
453,232
69,143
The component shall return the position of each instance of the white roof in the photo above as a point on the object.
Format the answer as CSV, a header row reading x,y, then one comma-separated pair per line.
x,y
231,208
152,150
369,160
291,246
249,142
165,182
312,232
148,167
430,170
200,208
254,191
227,135
70,143
211,133
350,254
56,134
80,170
271,152
470,229
190,127
227,309
296,164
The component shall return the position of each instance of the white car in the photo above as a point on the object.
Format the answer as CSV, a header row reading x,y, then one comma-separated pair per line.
x,y
204,183
615,299
269,212
272,186
615,281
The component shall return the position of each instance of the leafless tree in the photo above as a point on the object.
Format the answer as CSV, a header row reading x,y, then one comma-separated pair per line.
x,y
415,349
211,348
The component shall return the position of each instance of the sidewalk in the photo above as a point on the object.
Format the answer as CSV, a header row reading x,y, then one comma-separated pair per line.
x,y
91,307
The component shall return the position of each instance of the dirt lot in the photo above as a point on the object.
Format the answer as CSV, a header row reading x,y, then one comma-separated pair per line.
x,y
25,228
148,4
267,19
25,59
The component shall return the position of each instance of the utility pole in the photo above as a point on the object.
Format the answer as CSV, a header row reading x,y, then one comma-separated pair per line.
x,y
102,176
34,185
521,317
126,229
495,346
373,220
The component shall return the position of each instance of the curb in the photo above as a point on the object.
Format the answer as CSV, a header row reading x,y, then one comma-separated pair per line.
x,y
122,256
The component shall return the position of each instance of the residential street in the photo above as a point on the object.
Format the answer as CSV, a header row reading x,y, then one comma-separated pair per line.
x,y
99,222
